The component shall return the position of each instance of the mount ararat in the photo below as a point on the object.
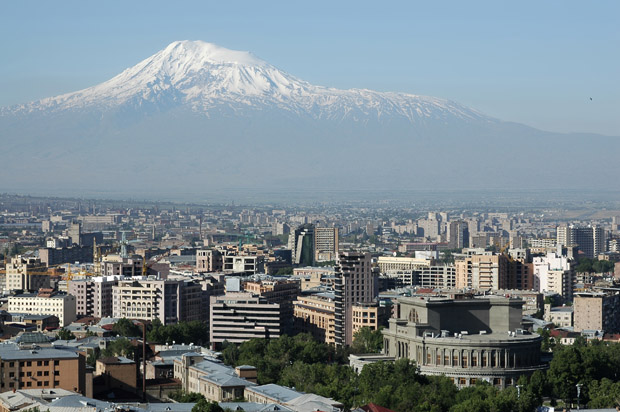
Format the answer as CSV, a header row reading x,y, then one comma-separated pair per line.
x,y
197,118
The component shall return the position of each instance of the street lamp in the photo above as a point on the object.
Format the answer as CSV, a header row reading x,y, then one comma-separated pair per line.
x,y
579,385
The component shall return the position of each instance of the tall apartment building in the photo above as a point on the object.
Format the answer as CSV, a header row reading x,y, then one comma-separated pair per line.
x,y
51,256
45,302
301,242
590,240
42,368
355,284
149,298
554,273
93,296
458,235
325,244
26,274
597,311
316,315
520,275
209,260
484,272
237,317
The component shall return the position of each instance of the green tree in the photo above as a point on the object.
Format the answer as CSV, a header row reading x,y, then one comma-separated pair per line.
x,y
204,405
185,397
64,334
119,347
367,340
125,327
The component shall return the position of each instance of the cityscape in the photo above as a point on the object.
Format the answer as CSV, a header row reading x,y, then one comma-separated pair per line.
x,y
309,207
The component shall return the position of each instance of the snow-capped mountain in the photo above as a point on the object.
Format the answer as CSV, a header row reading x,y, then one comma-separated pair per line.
x,y
197,117
203,76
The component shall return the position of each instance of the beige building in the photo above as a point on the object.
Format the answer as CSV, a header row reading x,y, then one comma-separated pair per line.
x,y
484,272
597,311
325,243
212,379
312,277
45,302
148,298
93,295
561,317
393,263
26,274
371,316
315,314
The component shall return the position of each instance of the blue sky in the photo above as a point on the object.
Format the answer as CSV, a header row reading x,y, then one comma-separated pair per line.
x,y
534,62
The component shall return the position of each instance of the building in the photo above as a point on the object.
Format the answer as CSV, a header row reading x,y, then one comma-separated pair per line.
x,y
41,368
482,272
94,295
212,379
247,264
560,316
554,273
312,277
355,284
325,244
150,298
467,340
301,242
117,373
589,240
117,265
237,317
45,302
69,254
520,274
458,235
597,311
209,260
26,274
371,315
316,314
392,263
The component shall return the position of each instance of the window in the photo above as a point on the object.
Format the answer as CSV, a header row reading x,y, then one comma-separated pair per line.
x,y
28,363
474,360
39,363
28,383
11,364
46,373
39,383
46,363
56,383
462,381
39,373
56,363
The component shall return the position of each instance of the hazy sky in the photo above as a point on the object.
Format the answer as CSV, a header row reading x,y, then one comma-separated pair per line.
x,y
534,62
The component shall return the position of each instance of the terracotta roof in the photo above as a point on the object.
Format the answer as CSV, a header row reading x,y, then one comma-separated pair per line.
x,y
372,407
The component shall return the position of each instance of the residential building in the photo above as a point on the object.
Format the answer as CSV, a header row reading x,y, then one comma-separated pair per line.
x,y
247,264
117,265
392,263
597,311
45,302
94,295
554,273
482,272
458,235
371,315
467,340
355,284
560,316
590,240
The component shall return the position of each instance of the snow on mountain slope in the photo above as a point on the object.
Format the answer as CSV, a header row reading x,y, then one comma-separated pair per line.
x,y
203,76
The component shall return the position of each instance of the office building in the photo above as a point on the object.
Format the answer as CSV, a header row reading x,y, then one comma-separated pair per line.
x,y
26,274
301,242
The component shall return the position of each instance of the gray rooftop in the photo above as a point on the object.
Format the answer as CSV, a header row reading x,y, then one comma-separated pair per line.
x,y
273,391
12,352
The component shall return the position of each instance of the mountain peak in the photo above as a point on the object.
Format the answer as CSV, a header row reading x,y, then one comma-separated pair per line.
x,y
204,52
